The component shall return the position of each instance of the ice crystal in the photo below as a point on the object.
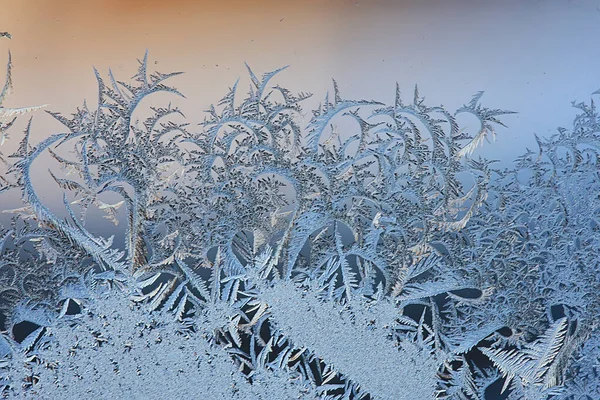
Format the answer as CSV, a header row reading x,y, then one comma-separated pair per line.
x,y
266,258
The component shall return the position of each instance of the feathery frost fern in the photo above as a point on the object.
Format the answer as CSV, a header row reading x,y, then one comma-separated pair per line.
x,y
263,258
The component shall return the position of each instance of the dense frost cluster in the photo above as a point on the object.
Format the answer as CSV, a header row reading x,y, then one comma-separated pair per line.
x,y
265,258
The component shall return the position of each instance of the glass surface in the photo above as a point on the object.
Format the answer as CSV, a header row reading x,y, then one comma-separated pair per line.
x,y
392,233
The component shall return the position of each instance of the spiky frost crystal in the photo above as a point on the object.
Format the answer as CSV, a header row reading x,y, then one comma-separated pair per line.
x,y
267,259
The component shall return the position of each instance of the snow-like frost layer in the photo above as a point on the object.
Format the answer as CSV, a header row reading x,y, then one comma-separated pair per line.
x,y
119,351
360,352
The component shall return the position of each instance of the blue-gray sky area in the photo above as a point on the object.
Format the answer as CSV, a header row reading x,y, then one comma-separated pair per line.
x,y
530,56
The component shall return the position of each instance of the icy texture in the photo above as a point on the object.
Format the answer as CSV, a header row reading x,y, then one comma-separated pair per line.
x,y
266,258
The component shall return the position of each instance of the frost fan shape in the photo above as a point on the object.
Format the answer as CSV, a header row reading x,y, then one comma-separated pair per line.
x,y
366,255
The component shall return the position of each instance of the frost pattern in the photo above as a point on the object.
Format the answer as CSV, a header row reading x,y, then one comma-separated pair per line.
x,y
267,259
